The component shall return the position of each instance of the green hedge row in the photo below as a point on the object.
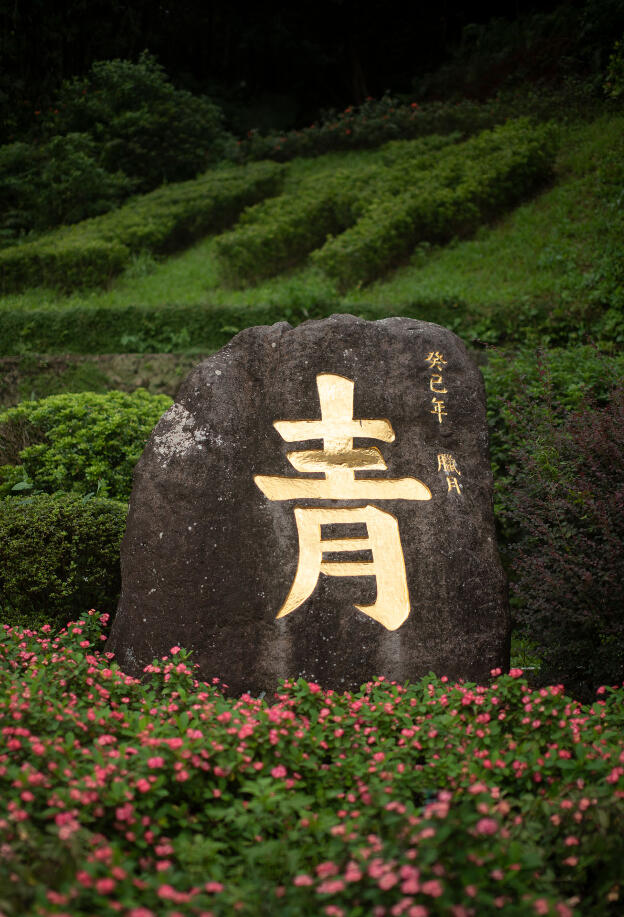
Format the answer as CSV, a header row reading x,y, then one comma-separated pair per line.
x,y
279,233
472,183
168,219
204,328
151,329
59,555
84,443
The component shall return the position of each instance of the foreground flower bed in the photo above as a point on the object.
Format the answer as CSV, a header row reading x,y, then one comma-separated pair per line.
x,y
168,798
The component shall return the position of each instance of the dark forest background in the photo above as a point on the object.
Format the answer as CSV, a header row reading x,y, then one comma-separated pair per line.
x,y
274,66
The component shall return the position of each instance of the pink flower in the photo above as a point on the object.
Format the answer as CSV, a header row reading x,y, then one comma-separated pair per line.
x,y
105,886
175,650
541,906
563,910
214,887
388,880
486,826
279,771
410,886
516,673
167,892
330,886
303,879
156,762
326,869
353,873
432,887
143,785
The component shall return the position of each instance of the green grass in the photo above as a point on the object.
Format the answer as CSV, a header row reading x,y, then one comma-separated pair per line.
x,y
541,257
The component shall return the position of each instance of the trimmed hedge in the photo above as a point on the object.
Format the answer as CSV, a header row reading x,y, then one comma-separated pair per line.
x,y
59,556
83,443
168,219
149,329
279,233
482,177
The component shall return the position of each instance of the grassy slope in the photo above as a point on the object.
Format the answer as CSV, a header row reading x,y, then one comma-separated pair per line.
x,y
539,256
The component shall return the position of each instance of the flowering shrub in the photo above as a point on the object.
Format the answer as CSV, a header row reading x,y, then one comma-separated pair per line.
x,y
167,797
378,120
371,124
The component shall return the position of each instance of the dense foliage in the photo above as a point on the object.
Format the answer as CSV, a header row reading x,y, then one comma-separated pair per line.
x,y
565,498
57,182
376,121
121,128
532,392
280,232
58,555
426,799
143,126
83,443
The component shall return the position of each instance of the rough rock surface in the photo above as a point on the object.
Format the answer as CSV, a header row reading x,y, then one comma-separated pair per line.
x,y
209,559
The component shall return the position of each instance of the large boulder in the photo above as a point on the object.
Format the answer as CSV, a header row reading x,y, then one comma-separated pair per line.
x,y
317,503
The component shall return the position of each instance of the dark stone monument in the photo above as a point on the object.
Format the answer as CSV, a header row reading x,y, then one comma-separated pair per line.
x,y
318,503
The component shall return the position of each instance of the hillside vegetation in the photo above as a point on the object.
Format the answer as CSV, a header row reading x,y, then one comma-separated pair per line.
x,y
357,231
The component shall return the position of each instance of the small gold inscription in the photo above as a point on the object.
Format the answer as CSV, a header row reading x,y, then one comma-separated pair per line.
x,y
447,463
435,360
338,462
434,382
438,408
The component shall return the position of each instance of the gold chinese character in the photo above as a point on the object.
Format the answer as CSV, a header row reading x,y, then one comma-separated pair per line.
x,y
392,605
435,360
453,484
437,380
338,460
438,408
447,463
